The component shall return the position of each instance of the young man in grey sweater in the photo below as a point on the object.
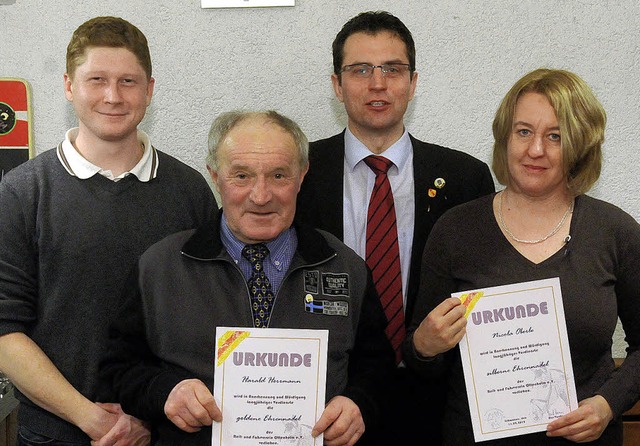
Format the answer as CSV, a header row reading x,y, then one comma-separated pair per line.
x,y
74,220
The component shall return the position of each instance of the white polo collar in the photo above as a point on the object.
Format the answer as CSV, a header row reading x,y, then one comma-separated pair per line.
x,y
78,166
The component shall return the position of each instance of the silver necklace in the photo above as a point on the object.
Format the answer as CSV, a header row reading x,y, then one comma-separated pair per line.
x,y
531,242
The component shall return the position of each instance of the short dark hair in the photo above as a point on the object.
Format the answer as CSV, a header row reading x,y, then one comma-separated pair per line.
x,y
373,22
111,32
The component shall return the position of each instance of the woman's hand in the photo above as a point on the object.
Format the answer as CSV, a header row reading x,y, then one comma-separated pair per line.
x,y
442,329
584,424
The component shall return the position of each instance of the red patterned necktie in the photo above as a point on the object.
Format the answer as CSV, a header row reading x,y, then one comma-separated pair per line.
x,y
383,254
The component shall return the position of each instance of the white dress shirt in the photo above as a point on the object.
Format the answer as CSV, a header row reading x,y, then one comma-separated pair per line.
x,y
359,180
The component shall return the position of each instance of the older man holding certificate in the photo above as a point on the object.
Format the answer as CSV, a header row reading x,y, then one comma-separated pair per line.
x,y
252,268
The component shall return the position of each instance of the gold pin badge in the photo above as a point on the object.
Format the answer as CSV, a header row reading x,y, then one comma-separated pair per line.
x,y
308,298
439,183
432,193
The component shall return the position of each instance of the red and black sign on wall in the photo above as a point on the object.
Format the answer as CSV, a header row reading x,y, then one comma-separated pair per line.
x,y
15,123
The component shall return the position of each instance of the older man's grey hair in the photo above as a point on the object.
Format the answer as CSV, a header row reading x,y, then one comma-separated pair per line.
x,y
225,122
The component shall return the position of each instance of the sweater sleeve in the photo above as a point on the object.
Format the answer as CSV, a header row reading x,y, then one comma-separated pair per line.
x,y
436,284
18,261
622,389
141,382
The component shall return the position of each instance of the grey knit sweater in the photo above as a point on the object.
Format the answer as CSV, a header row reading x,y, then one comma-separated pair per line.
x,y
66,248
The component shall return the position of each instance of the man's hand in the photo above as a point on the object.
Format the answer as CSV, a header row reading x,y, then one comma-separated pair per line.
x,y
190,406
341,422
442,329
584,424
127,431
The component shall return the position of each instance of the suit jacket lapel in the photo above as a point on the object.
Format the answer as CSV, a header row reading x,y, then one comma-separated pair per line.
x,y
425,166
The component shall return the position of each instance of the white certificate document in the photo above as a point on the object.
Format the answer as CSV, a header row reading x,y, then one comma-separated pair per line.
x,y
516,360
270,385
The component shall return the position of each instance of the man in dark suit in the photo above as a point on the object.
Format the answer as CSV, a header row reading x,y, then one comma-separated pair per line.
x,y
375,78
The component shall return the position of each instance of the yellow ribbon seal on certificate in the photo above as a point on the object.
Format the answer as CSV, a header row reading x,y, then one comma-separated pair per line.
x,y
469,300
228,343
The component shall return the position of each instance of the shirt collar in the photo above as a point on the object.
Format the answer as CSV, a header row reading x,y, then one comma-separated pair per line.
x,y
356,151
278,247
78,166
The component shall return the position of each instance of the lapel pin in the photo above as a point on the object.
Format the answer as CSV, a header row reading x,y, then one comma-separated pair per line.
x,y
432,193
439,183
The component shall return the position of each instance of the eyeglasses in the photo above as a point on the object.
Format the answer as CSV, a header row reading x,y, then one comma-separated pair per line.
x,y
365,70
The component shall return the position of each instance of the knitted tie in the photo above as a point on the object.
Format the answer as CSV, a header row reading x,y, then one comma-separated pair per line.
x,y
259,284
383,254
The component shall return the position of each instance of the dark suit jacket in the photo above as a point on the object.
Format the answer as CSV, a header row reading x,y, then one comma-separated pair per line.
x,y
320,198
414,406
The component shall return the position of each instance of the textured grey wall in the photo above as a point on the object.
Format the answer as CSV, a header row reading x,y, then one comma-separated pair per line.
x,y
469,54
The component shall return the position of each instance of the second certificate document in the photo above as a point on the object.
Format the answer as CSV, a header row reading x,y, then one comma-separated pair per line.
x,y
516,358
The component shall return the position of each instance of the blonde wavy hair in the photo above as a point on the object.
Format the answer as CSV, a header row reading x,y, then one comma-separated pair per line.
x,y
581,119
